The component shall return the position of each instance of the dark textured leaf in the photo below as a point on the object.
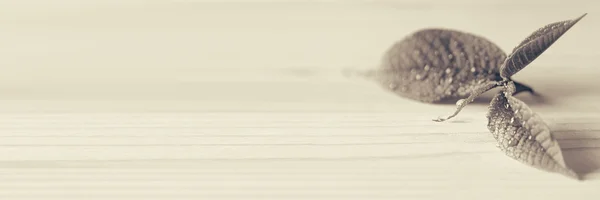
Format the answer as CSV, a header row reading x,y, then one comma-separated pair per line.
x,y
534,45
432,65
523,135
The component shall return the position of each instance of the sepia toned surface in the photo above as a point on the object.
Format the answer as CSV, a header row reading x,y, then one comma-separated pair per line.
x,y
247,100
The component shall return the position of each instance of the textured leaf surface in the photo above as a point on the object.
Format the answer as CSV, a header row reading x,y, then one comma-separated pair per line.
x,y
433,64
534,45
524,136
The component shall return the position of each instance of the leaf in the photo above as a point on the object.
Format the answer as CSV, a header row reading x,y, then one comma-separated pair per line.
x,y
534,45
523,135
433,65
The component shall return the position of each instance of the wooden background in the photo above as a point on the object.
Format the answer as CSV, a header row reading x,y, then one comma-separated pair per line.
x,y
123,99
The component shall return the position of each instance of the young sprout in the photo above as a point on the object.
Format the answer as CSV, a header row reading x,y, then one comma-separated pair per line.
x,y
521,56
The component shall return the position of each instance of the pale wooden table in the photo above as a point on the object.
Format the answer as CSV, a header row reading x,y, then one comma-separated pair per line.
x,y
189,100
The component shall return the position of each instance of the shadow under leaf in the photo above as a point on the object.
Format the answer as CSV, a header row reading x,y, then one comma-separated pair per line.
x,y
582,160
581,154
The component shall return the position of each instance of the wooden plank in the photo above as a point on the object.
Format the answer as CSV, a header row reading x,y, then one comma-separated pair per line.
x,y
201,100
